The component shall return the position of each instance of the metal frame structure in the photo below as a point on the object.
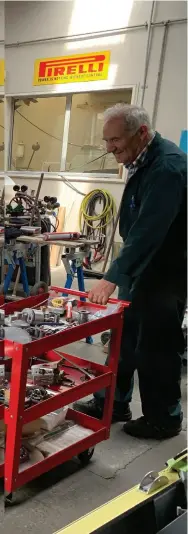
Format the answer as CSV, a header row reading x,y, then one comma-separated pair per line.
x,y
16,416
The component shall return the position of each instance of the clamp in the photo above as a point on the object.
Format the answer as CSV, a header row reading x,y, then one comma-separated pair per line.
x,y
153,481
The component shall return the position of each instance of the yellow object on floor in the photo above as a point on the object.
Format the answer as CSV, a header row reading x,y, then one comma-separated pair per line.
x,y
102,516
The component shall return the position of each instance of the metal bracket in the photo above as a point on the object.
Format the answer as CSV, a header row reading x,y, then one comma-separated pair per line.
x,y
153,482
78,257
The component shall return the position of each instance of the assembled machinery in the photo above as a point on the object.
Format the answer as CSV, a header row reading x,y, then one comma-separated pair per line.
x,y
27,214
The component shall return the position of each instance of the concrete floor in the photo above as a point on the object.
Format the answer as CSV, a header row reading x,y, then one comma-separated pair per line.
x,y
68,492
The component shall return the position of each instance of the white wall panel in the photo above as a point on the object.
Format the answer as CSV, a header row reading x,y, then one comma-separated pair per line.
x,y
126,52
172,108
38,20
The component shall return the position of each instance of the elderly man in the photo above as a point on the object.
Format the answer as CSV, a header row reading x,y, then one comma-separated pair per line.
x,y
150,271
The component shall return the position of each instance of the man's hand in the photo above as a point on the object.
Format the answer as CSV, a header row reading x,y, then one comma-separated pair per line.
x,y
101,292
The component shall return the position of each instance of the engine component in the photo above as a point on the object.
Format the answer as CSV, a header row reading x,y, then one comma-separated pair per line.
x,y
42,375
38,394
83,316
17,334
32,316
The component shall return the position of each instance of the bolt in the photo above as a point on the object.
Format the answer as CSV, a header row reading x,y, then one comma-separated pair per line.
x,y
21,417
11,416
15,480
6,479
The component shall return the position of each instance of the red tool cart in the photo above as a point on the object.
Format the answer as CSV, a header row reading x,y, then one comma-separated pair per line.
x,y
1,405
95,431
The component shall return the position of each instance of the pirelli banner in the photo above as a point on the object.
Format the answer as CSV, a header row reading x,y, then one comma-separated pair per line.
x,y
69,69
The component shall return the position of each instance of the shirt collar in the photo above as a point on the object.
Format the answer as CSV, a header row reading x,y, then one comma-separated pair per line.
x,y
141,157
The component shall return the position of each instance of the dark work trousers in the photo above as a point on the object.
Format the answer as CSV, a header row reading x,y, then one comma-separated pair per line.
x,y
152,343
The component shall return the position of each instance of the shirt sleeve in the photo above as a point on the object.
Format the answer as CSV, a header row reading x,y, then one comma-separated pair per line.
x,y
159,207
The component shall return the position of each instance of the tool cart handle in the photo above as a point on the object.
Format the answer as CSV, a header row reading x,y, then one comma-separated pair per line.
x,y
84,294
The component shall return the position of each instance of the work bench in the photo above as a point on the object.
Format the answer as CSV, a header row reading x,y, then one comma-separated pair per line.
x,y
74,252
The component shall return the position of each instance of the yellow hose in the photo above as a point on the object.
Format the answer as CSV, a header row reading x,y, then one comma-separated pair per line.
x,y
108,213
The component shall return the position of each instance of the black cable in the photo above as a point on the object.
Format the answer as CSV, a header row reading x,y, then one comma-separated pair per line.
x,y
97,229
43,131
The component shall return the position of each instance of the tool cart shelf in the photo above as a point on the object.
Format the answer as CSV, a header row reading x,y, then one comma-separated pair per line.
x,y
93,430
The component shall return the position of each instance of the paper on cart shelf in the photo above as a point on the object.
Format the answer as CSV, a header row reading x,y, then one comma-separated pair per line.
x,y
53,419
46,434
63,440
27,429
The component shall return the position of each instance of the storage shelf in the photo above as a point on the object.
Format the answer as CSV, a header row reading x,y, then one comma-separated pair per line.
x,y
64,398
65,454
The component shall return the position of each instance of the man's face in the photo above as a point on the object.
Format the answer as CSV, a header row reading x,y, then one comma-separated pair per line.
x,y
122,143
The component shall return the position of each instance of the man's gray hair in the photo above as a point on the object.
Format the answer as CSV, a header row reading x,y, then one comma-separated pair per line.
x,y
134,116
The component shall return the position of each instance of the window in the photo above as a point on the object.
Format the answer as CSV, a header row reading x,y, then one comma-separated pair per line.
x,y
38,133
86,150
1,134
43,139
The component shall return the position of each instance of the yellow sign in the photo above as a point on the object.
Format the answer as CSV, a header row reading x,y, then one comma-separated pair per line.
x,y
69,69
2,72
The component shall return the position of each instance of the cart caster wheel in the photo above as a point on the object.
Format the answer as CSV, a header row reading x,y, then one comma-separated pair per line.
x,y
9,500
39,289
86,456
105,337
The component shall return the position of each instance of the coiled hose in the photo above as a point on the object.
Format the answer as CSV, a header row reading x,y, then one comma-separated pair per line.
x,y
96,220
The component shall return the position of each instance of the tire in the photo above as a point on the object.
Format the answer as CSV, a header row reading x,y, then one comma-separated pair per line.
x,y
86,456
8,500
39,288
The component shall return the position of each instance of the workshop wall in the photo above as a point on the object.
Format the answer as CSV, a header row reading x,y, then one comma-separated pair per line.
x,y
1,87
2,36
33,21
39,20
